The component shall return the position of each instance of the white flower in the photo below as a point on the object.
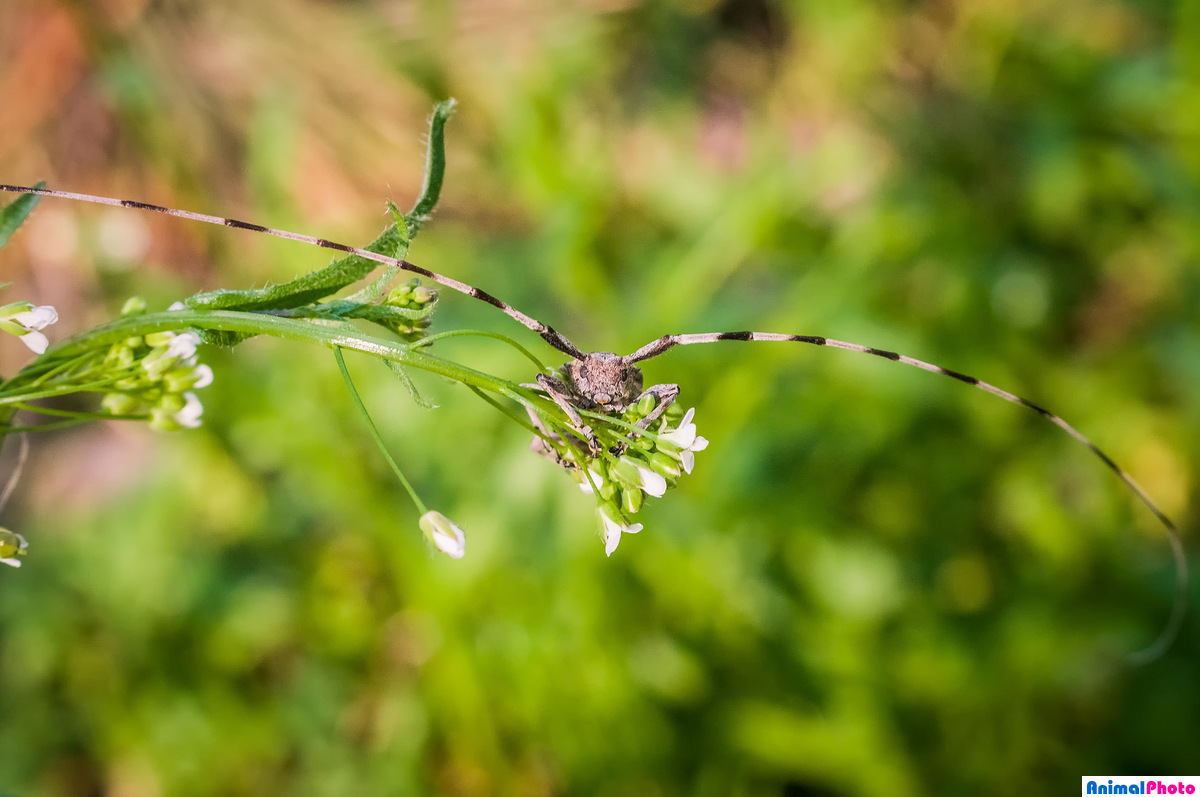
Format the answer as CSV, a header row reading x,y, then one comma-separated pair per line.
x,y
189,416
36,341
170,350
634,473
445,536
613,529
36,317
183,345
684,438
203,376
27,323
11,544
652,482
586,487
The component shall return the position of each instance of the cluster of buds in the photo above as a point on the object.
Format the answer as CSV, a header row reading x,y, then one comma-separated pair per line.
x,y
412,295
649,465
157,374
12,545
26,321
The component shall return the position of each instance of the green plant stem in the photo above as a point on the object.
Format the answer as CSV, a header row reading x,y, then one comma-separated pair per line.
x,y
459,333
90,387
362,408
339,336
76,349
524,422
86,416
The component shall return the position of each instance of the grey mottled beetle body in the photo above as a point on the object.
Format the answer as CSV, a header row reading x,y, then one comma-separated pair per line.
x,y
604,382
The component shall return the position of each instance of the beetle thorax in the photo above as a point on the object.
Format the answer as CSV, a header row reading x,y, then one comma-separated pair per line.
x,y
603,380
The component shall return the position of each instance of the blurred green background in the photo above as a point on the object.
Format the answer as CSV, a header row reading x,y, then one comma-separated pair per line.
x,y
877,582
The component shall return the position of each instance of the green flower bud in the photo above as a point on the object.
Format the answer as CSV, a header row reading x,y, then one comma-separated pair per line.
x,y
399,296
11,543
646,405
178,380
608,490
626,471
156,339
175,412
120,404
665,464
121,356
631,501
134,305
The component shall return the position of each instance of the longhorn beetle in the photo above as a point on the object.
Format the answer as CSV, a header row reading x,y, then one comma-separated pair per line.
x,y
609,383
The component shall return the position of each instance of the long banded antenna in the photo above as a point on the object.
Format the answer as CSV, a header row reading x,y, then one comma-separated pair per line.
x,y
549,334
1156,649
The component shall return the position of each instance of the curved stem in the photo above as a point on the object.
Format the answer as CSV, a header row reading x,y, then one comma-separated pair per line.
x,y
459,333
362,408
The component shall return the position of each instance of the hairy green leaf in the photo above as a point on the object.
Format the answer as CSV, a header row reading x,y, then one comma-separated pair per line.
x,y
312,287
14,214
300,292
435,167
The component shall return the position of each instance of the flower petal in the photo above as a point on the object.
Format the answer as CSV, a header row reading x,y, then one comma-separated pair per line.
x,y
681,437
204,376
189,416
37,317
700,444
612,533
11,562
611,540
183,345
453,546
36,342
688,459
444,534
652,483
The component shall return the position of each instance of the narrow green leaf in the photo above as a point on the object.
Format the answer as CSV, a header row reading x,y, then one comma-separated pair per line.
x,y
300,292
310,288
380,284
435,167
14,214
